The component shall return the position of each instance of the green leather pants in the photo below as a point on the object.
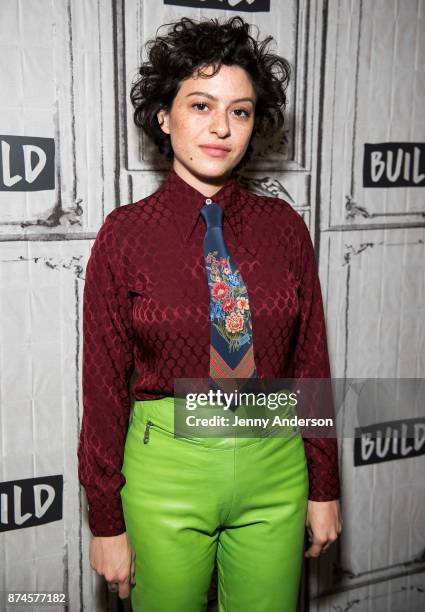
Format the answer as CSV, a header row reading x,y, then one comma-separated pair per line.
x,y
189,501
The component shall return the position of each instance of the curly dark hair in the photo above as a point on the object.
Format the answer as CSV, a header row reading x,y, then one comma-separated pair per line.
x,y
189,46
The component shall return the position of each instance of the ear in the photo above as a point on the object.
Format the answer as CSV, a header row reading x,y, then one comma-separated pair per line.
x,y
164,120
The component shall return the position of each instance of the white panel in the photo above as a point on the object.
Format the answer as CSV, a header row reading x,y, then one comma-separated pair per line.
x,y
375,291
58,82
374,94
290,23
374,286
41,303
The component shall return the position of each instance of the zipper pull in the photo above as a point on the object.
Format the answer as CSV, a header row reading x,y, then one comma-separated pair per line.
x,y
146,436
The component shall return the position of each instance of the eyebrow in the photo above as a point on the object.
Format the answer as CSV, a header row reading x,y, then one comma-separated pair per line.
x,y
207,95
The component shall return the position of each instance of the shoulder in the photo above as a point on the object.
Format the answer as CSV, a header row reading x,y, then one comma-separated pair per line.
x,y
129,219
276,213
123,215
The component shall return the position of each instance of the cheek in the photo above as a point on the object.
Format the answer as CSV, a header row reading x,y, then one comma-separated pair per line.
x,y
242,134
179,136
184,131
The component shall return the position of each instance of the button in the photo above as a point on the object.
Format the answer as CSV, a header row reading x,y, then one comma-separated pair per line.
x,y
208,201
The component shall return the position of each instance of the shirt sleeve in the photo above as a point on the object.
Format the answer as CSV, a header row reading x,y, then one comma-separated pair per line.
x,y
312,361
107,366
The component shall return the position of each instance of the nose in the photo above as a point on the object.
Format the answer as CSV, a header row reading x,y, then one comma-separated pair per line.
x,y
220,124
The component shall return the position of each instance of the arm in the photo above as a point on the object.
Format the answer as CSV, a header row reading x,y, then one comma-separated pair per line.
x,y
312,361
107,367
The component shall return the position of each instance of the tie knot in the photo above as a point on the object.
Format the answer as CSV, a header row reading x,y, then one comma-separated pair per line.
x,y
212,214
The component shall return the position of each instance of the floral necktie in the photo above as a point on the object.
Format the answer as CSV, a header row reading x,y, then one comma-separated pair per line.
x,y
231,351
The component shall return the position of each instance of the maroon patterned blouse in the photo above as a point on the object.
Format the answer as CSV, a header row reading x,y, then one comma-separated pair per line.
x,y
146,308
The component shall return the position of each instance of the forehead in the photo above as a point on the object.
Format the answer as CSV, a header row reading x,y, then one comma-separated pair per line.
x,y
228,82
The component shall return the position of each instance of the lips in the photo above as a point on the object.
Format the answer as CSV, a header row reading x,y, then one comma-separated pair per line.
x,y
215,150
215,146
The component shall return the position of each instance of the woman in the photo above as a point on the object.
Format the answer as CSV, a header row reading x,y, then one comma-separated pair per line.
x,y
162,509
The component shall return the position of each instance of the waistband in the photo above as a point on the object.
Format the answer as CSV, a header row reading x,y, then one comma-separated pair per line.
x,y
214,426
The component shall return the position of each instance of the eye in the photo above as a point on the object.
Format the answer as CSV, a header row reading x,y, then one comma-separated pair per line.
x,y
197,104
245,112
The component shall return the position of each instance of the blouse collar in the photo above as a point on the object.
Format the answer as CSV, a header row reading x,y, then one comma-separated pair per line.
x,y
187,202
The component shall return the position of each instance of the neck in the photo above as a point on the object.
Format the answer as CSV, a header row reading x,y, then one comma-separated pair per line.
x,y
208,186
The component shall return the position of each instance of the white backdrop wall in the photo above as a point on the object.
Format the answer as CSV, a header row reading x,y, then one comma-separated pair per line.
x,y
65,73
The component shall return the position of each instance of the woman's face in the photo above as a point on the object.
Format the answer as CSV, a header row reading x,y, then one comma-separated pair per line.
x,y
210,124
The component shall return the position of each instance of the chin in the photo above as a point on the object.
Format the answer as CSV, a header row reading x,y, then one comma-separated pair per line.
x,y
213,170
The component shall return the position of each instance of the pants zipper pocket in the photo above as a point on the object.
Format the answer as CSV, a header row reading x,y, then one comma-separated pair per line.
x,y
148,426
146,436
